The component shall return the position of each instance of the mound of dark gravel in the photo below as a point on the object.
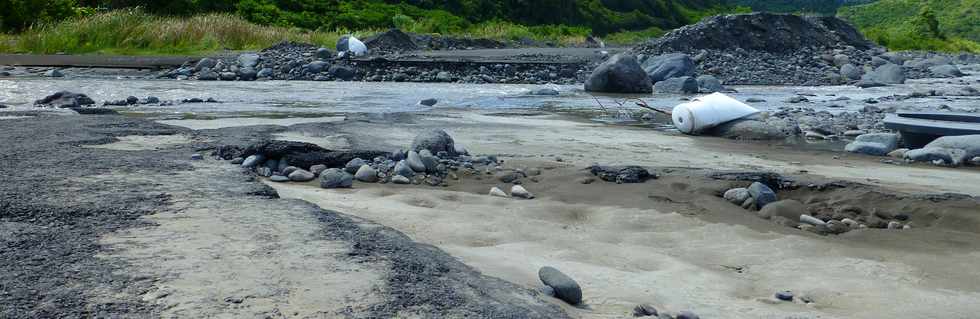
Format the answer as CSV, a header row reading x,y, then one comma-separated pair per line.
x,y
766,48
768,32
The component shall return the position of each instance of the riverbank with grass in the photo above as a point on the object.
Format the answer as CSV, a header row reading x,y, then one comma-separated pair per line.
x,y
134,32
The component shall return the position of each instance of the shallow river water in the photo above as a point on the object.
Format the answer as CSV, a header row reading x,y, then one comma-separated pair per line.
x,y
303,98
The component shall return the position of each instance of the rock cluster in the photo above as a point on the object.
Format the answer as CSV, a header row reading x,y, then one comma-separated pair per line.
x,y
816,217
298,61
783,49
433,159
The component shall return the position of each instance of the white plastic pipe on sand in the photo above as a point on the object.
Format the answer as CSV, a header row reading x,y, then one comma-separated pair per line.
x,y
709,111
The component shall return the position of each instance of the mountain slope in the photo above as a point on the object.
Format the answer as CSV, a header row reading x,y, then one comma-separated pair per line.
x,y
948,25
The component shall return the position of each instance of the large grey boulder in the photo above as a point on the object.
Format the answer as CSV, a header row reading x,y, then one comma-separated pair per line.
x,y
970,144
668,66
207,75
354,165
65,99
317,66
762,194
946,156
430,161
878,144
946,71
248,60
679,85
414,162
886,74
341,72
301,175
435,141
565,287
205,63
620,74
366,174
851,72
336,178
709,84
403,169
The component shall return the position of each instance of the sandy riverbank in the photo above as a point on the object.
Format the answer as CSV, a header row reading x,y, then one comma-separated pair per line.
x,y
672,242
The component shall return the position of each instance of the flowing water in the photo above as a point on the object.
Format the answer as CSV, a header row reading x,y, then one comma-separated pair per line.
x,y
307,99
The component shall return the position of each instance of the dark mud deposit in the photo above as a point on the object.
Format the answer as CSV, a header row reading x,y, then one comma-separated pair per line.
x,y
52,214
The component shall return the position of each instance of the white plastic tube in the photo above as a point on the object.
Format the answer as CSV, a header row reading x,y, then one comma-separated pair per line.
x,y
709,111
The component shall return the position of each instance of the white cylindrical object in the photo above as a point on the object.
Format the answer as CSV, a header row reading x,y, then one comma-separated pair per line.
x,y
709,111
356,46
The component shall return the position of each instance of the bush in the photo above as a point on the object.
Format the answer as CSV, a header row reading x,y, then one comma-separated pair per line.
x,y
16,15
132,31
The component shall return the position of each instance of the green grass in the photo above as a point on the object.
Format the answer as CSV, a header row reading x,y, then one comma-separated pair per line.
x,y
892,23
132,32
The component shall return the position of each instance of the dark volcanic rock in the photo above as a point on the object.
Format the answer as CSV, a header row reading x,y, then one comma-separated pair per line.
x,y
667,66
64,99
435,141
620,74
301,154
565,287
624,174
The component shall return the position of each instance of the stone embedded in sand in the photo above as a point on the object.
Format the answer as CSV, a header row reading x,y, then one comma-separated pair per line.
x,y
850,222
645,310
837,227
354,165
520,192
878,144
401,180
565,287
509,177
894,225
414,162
623,175
789,208
679,85
762,194
366,174
197,157
784,296
336,178
686,315
428,102
237,161
938,156
737,195
435,141
497,192
279,178
460,150
301,175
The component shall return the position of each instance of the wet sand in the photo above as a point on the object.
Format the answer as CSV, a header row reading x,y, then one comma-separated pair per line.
x,y
673,242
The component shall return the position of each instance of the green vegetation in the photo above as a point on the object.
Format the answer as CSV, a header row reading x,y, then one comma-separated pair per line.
x,y
196,26
937,25
135,32
827,7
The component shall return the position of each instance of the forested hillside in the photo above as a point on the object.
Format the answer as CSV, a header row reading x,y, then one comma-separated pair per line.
x,y
601,16
949,25
805,6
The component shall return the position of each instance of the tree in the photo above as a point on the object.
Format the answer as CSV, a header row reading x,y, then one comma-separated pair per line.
x,y
927,25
